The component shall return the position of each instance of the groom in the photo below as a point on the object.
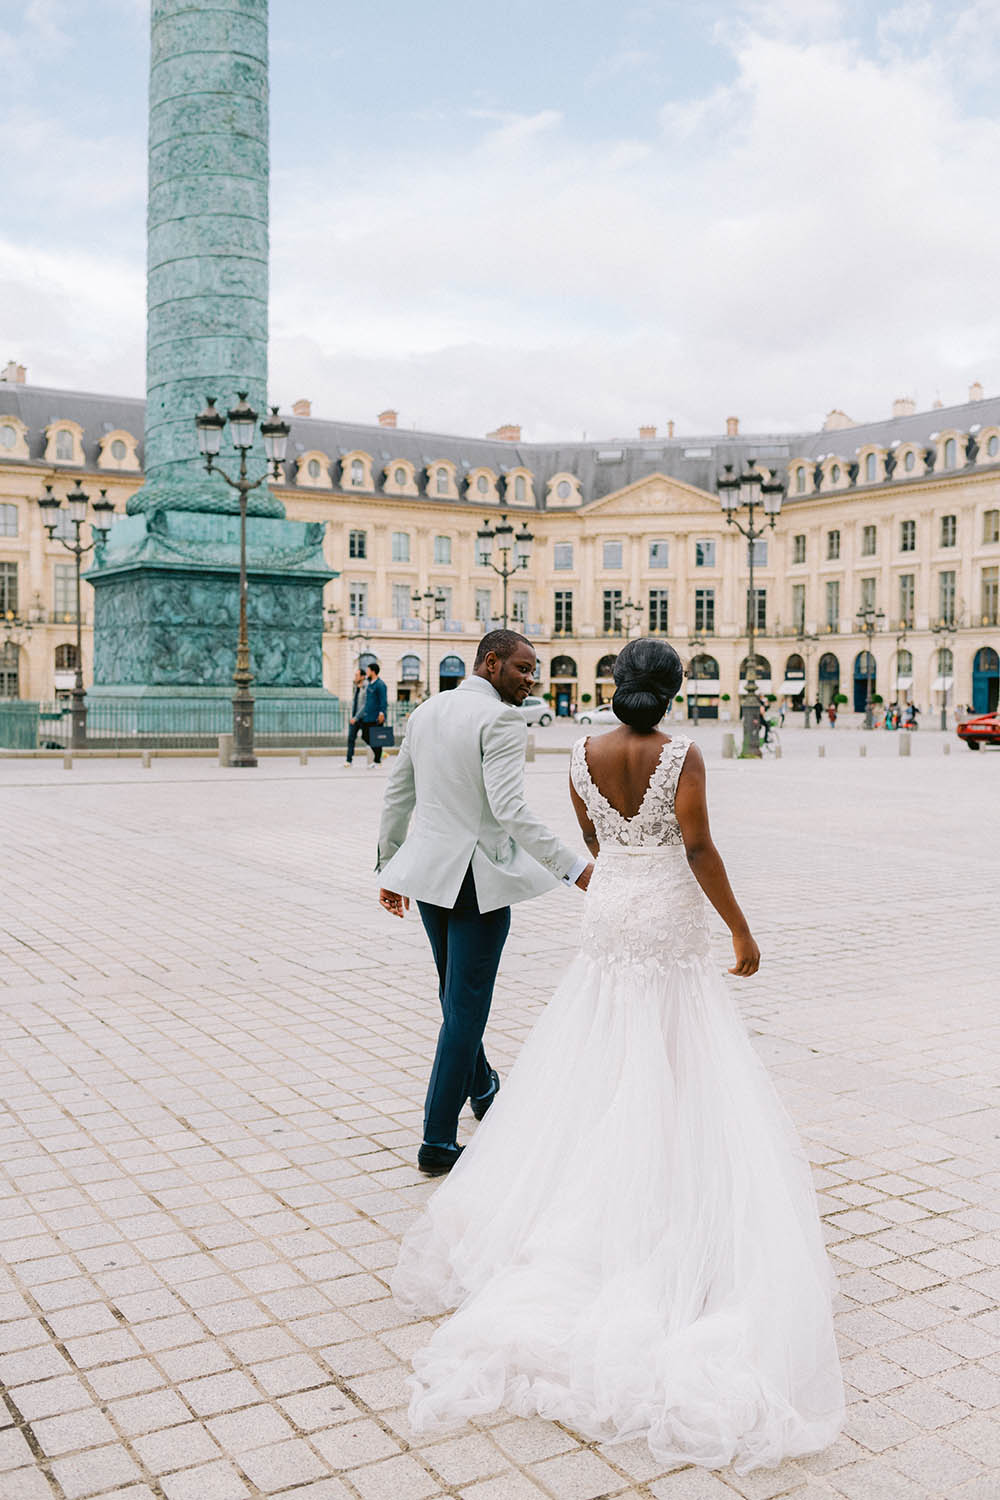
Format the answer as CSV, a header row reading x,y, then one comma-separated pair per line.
x,y
472,848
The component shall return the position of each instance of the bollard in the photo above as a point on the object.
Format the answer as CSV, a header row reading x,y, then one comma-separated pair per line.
x,y
946,747
529,752
777,752
821,751
67,762
225,749
147,760
904,744
728,746
862,749
303,757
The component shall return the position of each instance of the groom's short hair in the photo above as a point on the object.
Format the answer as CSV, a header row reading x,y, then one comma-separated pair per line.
x,y
501,643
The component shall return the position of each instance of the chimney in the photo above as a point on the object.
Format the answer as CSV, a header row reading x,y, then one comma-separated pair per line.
x,y
904,407
14,374
670,429
975,391
836,419
507,432
936,404
732,427
646,433
302,408
388,418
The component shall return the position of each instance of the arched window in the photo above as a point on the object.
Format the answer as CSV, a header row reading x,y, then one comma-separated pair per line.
x,y
909,461
945,661
482,484
64,445
313,468
763,668
949,454
357,471
871,468
606,667
993,446
399,477
703,668
563,666
800,480
829,670
564,489
904,662
520,488
8,435
118,450
409,668
366,660
10,661
794,665
66,658
441,481
864,663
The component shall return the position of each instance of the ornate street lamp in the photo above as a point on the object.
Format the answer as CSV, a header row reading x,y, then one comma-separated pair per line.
x,y
869,619
945,630
502,536
242,421
429,606
629,615
51,507
696,643
749,491
807,641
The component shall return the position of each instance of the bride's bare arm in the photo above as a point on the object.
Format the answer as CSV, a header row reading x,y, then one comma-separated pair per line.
x,y
691,809
583,818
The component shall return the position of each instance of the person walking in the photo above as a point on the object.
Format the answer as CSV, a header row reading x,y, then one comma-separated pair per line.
x,y
458,837
375,709
818,709
358,696
831,714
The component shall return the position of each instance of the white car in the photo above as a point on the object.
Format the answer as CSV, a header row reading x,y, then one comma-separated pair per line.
x,y
536,711
603,714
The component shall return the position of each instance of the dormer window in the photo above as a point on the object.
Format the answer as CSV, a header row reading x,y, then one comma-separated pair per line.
x,y
564,489
835,474
483,484
909,461
800,480
357,472
399,477
871,469
520,488
118,450
949,453
313,468
64,446
993,446
441,481
8,435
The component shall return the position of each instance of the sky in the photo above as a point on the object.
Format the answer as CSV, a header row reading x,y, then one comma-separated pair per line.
x,y
576,215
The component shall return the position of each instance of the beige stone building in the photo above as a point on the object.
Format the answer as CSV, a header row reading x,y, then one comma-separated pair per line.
x,y
628,535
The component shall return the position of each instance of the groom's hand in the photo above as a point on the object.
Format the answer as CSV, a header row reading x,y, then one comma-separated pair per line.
x,y
583,879
393,904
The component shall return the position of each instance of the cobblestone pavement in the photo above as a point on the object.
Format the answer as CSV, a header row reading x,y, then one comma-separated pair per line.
x,y
214,1051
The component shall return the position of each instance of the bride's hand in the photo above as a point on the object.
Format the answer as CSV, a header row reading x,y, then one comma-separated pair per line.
x,y
747,955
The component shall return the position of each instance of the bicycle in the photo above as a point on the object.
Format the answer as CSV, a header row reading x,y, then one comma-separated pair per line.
x,y
771,744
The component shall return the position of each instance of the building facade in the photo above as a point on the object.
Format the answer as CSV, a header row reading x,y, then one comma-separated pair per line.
x,y
902,516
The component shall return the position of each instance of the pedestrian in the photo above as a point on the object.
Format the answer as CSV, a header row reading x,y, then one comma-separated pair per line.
x,y
831,714
375,708
781,714
818,709
358,696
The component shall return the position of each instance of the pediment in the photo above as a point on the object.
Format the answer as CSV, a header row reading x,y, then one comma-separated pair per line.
x,y
656,494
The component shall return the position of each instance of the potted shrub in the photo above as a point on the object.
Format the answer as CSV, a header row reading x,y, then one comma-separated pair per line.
x,y
727,713
547,697
585,698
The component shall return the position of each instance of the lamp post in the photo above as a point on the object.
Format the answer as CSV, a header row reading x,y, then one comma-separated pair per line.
x,y
900,642
51,507
629,614
502,534
429,606
945,632
750,490
807,641
869,619
694,644
242,420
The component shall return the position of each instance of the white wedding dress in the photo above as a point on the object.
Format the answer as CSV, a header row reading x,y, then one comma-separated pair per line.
x,y
631,1241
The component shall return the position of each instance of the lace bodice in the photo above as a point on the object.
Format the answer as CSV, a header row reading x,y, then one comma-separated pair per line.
x,y
654,824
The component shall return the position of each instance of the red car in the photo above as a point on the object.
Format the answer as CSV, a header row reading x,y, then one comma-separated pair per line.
x,y
984,729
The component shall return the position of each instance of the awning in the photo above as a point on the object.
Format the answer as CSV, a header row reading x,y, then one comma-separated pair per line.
x,y
792,687
763,685
942,684
65,679
904,682
703,685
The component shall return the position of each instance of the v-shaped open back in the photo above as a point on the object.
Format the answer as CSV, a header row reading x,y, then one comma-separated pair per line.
x,y
653,823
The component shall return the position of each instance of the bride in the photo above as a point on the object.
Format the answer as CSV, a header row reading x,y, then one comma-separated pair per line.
x,y
630,1243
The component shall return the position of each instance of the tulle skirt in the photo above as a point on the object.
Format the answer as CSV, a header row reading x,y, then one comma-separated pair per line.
x,y
631,1242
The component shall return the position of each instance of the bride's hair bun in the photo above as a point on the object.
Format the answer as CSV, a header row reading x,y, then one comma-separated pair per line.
x,y
647,674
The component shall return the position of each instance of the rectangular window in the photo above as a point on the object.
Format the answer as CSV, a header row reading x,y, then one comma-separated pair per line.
x,y
484,606
445,608
400,546
402,602
704,554
659,619
612,554
357,544
907,536
8,588
991,601
442,550
659,554
562,557
907,597
832,545
612,611
64,593
564,612
869,536
357,599
799,606
519,607
757,607
8,520
991,526
833,606
798,549
946,597
704,611
760,552
949,530
867,593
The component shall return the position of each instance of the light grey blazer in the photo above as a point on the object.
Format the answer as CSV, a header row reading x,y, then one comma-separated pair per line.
x,y
456,797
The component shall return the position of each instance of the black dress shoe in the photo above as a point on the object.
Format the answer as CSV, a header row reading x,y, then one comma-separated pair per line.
x,y
480,1106
436,1160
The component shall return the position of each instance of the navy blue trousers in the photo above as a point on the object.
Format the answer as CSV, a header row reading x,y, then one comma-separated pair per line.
x,y
466,944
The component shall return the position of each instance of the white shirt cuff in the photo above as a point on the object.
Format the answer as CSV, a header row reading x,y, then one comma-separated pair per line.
x,y
573,875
